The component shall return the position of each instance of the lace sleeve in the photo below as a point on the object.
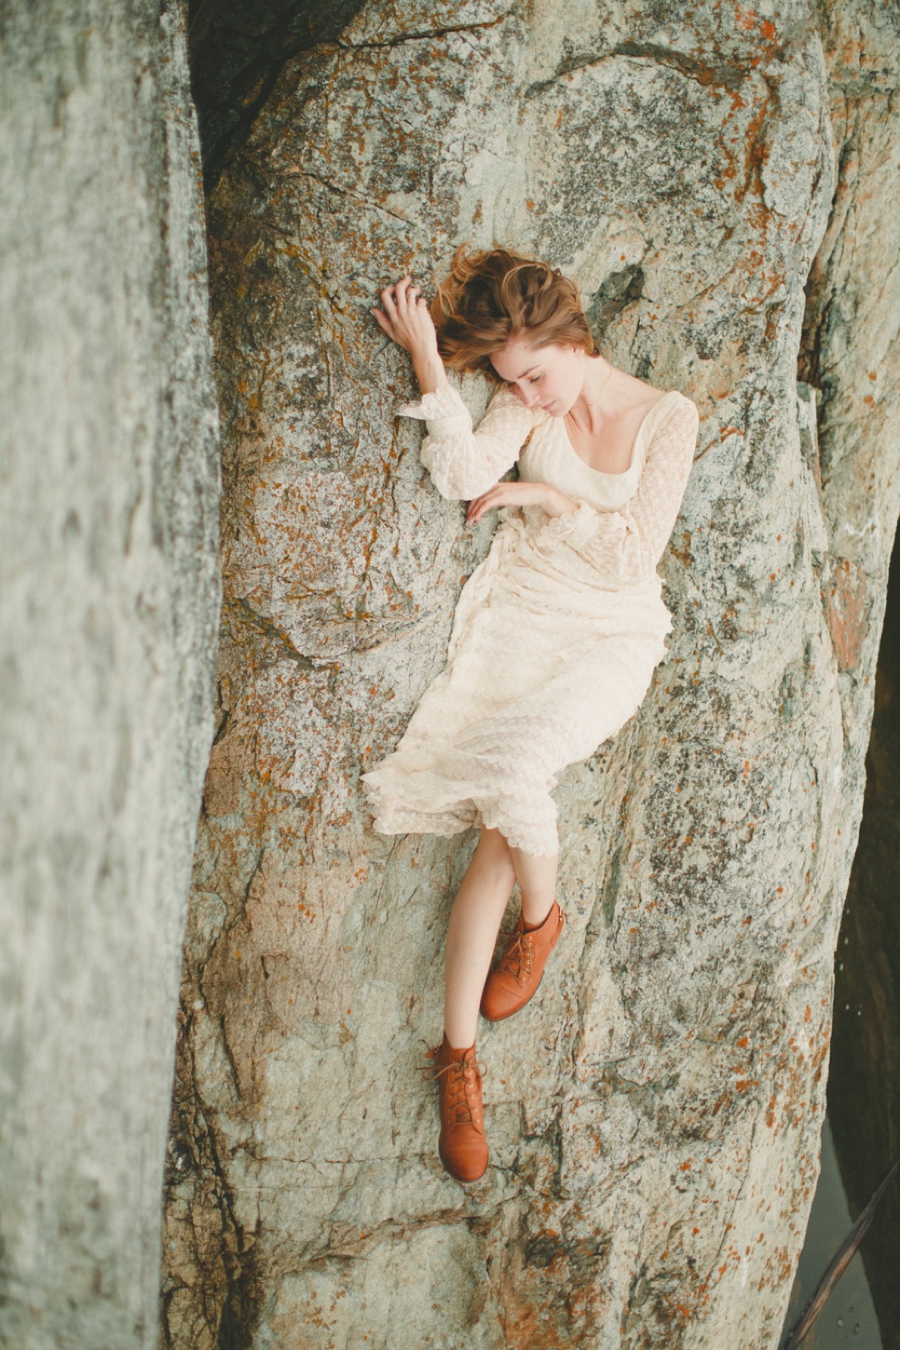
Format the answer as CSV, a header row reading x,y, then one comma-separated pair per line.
x,y
464,463
627,545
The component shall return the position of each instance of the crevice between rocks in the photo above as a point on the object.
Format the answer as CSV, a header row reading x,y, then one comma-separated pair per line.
x,y
237,52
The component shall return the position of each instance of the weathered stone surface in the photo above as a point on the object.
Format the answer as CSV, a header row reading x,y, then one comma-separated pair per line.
x,y
654,1117
851,350
864,1078
237,52
109,600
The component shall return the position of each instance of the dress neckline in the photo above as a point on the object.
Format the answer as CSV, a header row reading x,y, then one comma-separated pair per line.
x,y
618,474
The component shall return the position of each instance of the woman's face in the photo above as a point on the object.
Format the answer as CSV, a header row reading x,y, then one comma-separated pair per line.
x,y
551,376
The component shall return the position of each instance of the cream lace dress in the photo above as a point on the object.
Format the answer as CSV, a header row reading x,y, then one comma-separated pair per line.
x,y
556,633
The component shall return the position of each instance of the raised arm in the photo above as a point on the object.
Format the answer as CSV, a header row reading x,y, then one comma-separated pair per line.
x,y
463,462
628,545
407,320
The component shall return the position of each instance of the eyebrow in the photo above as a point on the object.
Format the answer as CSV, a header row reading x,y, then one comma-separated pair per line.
x,y
527,373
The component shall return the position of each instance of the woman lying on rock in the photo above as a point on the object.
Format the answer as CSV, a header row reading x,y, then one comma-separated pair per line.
x,y
556,634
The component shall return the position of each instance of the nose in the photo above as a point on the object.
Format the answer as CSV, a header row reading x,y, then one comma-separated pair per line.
x,y
527,396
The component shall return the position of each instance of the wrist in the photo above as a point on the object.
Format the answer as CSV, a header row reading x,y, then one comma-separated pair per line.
x,y
429,369
559,504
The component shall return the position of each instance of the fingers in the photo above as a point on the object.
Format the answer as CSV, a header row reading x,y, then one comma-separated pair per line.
x,y
383,322
507,493
406,294
405,317
401,296
394,297
389,302
486,502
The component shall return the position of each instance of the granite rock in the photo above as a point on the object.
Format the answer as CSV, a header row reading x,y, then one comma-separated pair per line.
x,y
108,622
654,1116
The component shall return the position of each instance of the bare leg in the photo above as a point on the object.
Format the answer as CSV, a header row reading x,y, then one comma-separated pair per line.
x,y
537,882
472,933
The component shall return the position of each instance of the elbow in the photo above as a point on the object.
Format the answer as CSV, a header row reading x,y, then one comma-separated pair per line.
x,y
462,490
457,482
449,492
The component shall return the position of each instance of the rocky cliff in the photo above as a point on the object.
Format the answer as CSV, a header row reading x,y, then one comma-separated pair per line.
x,y
109,603
654,1116
849,351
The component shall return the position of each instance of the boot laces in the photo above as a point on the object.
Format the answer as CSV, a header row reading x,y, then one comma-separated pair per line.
x,y
518,956
462,1086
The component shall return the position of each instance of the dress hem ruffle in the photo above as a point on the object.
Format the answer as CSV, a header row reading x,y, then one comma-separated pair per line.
x,y
445,825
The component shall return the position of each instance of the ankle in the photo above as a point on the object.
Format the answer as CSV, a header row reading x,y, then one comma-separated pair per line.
x,y
454,1051
533,919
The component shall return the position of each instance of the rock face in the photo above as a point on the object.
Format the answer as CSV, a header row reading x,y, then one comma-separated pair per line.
x,y
237,52
863,1098
850,350
654,1116
109,598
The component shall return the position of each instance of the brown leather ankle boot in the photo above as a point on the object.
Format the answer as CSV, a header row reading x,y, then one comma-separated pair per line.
x,y
518,972
462,1144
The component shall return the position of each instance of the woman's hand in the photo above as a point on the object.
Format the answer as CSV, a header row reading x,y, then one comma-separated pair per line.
x,y
405,317
520,493
406,320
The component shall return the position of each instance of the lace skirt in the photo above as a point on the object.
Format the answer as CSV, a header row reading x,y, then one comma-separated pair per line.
x,y
543,666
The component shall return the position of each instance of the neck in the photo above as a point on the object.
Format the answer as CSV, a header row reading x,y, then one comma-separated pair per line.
x,y
590,401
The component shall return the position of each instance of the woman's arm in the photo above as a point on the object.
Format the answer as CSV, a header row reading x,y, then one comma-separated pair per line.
x,y
522,493
628,545
463,462
406,319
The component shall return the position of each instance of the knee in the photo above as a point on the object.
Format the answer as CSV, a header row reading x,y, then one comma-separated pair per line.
x,y
494,855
